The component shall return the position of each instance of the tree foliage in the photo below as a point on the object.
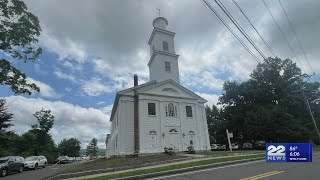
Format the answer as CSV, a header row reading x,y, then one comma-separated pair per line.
x,y
37,141
5,116
269,106
45,120
92,147
19,32
70,147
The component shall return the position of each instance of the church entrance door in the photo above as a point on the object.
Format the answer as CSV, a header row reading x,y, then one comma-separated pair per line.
x,y
152,141
172,139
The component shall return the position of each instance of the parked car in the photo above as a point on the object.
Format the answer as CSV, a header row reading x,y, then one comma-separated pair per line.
x,y
235,146
11,164
260,145
62,160
217,147
247,145
34,162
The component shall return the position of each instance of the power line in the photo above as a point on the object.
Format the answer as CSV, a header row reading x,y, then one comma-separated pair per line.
x,y
255,58
234,21
225,10
224,23
295,34
270,49
232,32
283,35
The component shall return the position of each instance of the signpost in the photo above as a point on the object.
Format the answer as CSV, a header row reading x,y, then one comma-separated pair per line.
x,y
229,135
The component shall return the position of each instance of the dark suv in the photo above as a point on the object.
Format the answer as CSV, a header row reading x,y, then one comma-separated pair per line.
x,y
10,164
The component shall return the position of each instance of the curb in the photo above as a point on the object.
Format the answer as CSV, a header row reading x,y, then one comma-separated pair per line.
x,y
170,172
106,170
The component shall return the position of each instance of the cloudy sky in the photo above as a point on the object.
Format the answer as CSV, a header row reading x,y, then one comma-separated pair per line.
x,y
93,48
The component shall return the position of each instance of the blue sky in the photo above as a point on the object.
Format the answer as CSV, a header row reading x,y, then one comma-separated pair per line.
x,y
91,49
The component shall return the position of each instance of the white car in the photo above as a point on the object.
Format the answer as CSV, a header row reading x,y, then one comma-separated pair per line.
x,y
34,162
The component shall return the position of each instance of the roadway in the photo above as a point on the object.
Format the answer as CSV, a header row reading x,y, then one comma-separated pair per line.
x,y
255,170
38,174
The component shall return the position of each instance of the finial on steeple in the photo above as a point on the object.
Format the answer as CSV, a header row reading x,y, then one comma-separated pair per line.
x,y
158,12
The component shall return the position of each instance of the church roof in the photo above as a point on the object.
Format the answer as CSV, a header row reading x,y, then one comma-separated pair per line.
x,y
150,85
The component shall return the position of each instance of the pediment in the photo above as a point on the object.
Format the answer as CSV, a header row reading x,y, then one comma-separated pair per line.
x,y
171,89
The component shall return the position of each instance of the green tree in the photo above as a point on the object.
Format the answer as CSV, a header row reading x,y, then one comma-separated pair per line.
x,y
268,106
5,116
214,123
92,148
70,147
19,32
5,122
45,120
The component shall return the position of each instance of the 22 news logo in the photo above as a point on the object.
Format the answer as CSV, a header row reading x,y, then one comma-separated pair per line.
x,y
276,153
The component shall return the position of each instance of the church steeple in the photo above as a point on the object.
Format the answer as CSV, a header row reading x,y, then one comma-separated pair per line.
x,y
163,64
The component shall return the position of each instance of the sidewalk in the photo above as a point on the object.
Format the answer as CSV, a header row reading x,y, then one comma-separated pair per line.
x,y
155,166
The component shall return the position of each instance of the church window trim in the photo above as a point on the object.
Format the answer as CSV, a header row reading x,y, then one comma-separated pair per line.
x,y
152,132
169,90
173,131
165,46
167,66
152,109
171,110
189,113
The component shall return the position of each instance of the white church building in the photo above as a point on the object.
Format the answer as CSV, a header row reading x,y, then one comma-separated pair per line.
x,y
161,113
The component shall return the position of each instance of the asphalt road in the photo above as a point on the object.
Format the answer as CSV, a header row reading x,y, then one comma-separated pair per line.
x,y
38,174
255,170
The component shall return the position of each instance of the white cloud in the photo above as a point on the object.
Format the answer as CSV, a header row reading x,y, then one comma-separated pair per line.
x,y
95,87
70,120
66,48
63,75
45,89
211,98
107,109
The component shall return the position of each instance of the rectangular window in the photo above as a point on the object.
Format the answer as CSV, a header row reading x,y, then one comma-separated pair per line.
x,y
189,111
167,66
152,108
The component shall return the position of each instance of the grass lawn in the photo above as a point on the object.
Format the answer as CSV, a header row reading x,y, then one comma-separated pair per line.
x,y
316,148
177,166
118,162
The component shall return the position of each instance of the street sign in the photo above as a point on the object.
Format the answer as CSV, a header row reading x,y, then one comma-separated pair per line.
x,y
288,152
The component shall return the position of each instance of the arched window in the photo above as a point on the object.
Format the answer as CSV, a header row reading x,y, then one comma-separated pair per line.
x,y
191,132
171,109
152,133
165,46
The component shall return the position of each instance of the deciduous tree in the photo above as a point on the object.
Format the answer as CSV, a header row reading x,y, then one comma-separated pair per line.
x,y
19,32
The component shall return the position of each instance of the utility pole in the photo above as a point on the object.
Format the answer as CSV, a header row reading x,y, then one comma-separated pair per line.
x,y
311,114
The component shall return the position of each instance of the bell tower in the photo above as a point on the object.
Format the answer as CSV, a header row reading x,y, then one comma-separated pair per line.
x,y
163,63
